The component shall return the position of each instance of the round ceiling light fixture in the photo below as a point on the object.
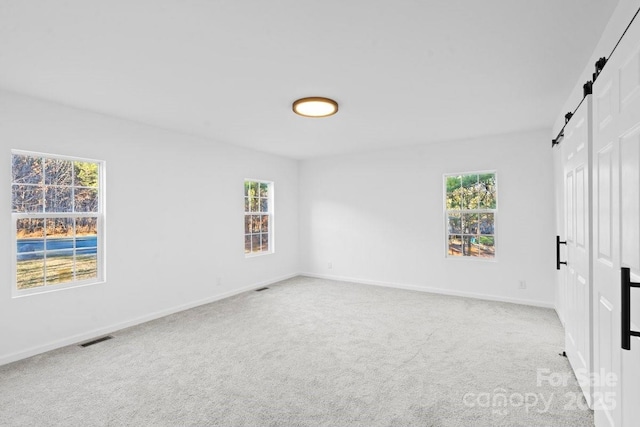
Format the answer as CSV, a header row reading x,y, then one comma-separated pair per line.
x,y
315,106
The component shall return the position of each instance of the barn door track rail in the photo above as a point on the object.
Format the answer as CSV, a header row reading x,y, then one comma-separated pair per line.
x,y
587,88
627,284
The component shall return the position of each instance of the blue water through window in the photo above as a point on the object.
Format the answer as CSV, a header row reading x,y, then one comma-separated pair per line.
x,y
33,248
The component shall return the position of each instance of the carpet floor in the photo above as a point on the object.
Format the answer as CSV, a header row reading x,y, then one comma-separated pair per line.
x,y
310,352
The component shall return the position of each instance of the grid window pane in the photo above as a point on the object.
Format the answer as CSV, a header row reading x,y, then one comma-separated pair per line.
x,y
59,227
253,189
454,195
470,223
30,272
86,264
455,245
27,198
59,233
486,223
466,245
87,226
58,172
455,223
255,243
58,199
59,267
30,228
487,191
26,169
255,223
86,174
468,185
264,189
30,255
86,200
485,246
254,203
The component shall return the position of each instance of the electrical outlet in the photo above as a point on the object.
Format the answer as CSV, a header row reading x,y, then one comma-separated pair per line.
x,y
218,281
522,284
329,265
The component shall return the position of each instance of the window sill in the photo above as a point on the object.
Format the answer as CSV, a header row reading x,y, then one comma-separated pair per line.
x,y
471,259
54,288
258,254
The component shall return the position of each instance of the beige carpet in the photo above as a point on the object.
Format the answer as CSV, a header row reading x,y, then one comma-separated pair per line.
x,y
310,352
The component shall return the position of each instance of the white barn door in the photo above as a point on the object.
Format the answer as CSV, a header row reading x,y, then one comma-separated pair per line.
x,y
561,278
575,151
616,234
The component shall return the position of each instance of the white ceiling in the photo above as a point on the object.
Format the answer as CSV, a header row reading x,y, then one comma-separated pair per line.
x,y
403,71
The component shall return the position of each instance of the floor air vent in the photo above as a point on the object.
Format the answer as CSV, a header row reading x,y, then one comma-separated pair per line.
x,y
96,341
261,289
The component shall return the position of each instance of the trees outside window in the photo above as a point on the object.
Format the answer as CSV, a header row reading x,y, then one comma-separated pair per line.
x,y
471,208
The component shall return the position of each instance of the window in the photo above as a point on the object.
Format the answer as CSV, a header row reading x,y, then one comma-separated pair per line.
x,y
57,212
471,210
258,217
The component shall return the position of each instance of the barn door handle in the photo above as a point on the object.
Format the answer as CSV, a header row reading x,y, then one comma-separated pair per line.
x,y
627,284
558,243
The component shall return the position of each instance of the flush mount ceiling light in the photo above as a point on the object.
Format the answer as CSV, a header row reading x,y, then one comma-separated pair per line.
x,y
315,106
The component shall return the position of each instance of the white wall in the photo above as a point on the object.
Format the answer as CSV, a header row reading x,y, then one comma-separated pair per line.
x,y
174,224
378,218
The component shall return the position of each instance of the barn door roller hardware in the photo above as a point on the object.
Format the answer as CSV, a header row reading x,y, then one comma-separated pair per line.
x,y
600,63
627,284
587,89
557,140
558,243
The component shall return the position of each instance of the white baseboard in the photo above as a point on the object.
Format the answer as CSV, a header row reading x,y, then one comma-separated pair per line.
x,y
85,336
432,290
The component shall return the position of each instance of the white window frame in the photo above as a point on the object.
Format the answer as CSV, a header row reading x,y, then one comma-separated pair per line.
x,y
271,221
100,220
476,211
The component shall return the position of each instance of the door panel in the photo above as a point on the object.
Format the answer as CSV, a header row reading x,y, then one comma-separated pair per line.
x,y
576,149
561,277
581,213
603,111
630,209
631,389
629,81
602,201
616,167
570,327
569,197
604,356
606,286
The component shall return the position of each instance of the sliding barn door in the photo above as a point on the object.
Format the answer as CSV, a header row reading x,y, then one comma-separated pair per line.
x,y
561,276
616,235
575,149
